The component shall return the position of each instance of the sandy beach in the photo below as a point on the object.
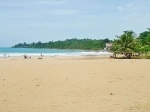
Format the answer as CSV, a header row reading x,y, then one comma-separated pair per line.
x,y
74,84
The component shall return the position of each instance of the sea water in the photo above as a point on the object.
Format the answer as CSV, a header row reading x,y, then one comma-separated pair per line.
x,y
5,52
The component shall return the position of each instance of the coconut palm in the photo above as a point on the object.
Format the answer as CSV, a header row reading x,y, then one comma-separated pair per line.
x,y
125,43
145,42
144,36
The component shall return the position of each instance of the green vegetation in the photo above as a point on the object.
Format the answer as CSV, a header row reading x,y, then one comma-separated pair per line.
x,y
125,42
128,44
85,44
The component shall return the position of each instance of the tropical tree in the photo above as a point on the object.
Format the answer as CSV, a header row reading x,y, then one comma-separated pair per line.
x,y
138,46
115,48
125,43
144,38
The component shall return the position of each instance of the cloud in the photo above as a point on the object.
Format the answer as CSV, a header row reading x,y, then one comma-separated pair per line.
x,y
53,2
13,4
64,12
120,8
137,6
31,3
65,25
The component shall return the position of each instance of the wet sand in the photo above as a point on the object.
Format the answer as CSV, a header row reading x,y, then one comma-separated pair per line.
x,y
74,84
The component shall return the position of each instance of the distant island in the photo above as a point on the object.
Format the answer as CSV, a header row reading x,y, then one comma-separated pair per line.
x,y
81,44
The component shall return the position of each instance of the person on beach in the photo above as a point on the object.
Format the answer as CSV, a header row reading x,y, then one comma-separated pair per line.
x,y
25,56
40,56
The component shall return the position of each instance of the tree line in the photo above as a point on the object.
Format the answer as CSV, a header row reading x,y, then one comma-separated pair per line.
x,y
84,44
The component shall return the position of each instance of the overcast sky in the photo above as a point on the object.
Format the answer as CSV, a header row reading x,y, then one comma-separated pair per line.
x,y
47,20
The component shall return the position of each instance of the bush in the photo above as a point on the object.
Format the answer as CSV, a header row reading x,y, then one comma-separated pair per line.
x,y
148,57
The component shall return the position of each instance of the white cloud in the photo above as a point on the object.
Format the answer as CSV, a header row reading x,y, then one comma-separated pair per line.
x,y
63,12
13,4
120,8
31,3
53,2
138,5
79,24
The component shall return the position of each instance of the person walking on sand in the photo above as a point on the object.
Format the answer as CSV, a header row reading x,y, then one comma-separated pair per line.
x,y
41,55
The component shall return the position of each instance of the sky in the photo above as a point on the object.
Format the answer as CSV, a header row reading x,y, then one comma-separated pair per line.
x,y
51,20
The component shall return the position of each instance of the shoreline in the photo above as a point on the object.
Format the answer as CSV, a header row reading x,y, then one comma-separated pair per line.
x,y
83,57
7,52
102,56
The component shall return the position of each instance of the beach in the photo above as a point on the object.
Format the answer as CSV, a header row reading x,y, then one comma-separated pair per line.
x,y
74,84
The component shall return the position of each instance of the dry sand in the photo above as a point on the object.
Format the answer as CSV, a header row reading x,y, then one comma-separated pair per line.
x,y
74,85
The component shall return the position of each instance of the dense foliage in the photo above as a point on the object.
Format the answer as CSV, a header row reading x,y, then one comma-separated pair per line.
x,y
125,42
129,43
85,44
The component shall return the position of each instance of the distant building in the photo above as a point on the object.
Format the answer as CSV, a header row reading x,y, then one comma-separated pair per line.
x,y
108,46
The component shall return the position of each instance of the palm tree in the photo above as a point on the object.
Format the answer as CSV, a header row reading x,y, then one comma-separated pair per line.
x,y
125,43
115,48
145,42
138,46
146,46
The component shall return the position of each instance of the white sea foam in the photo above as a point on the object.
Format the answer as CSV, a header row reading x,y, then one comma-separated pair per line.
x,y
58,54
95,53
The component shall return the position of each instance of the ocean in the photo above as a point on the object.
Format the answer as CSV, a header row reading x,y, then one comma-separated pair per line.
x,y
5,52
